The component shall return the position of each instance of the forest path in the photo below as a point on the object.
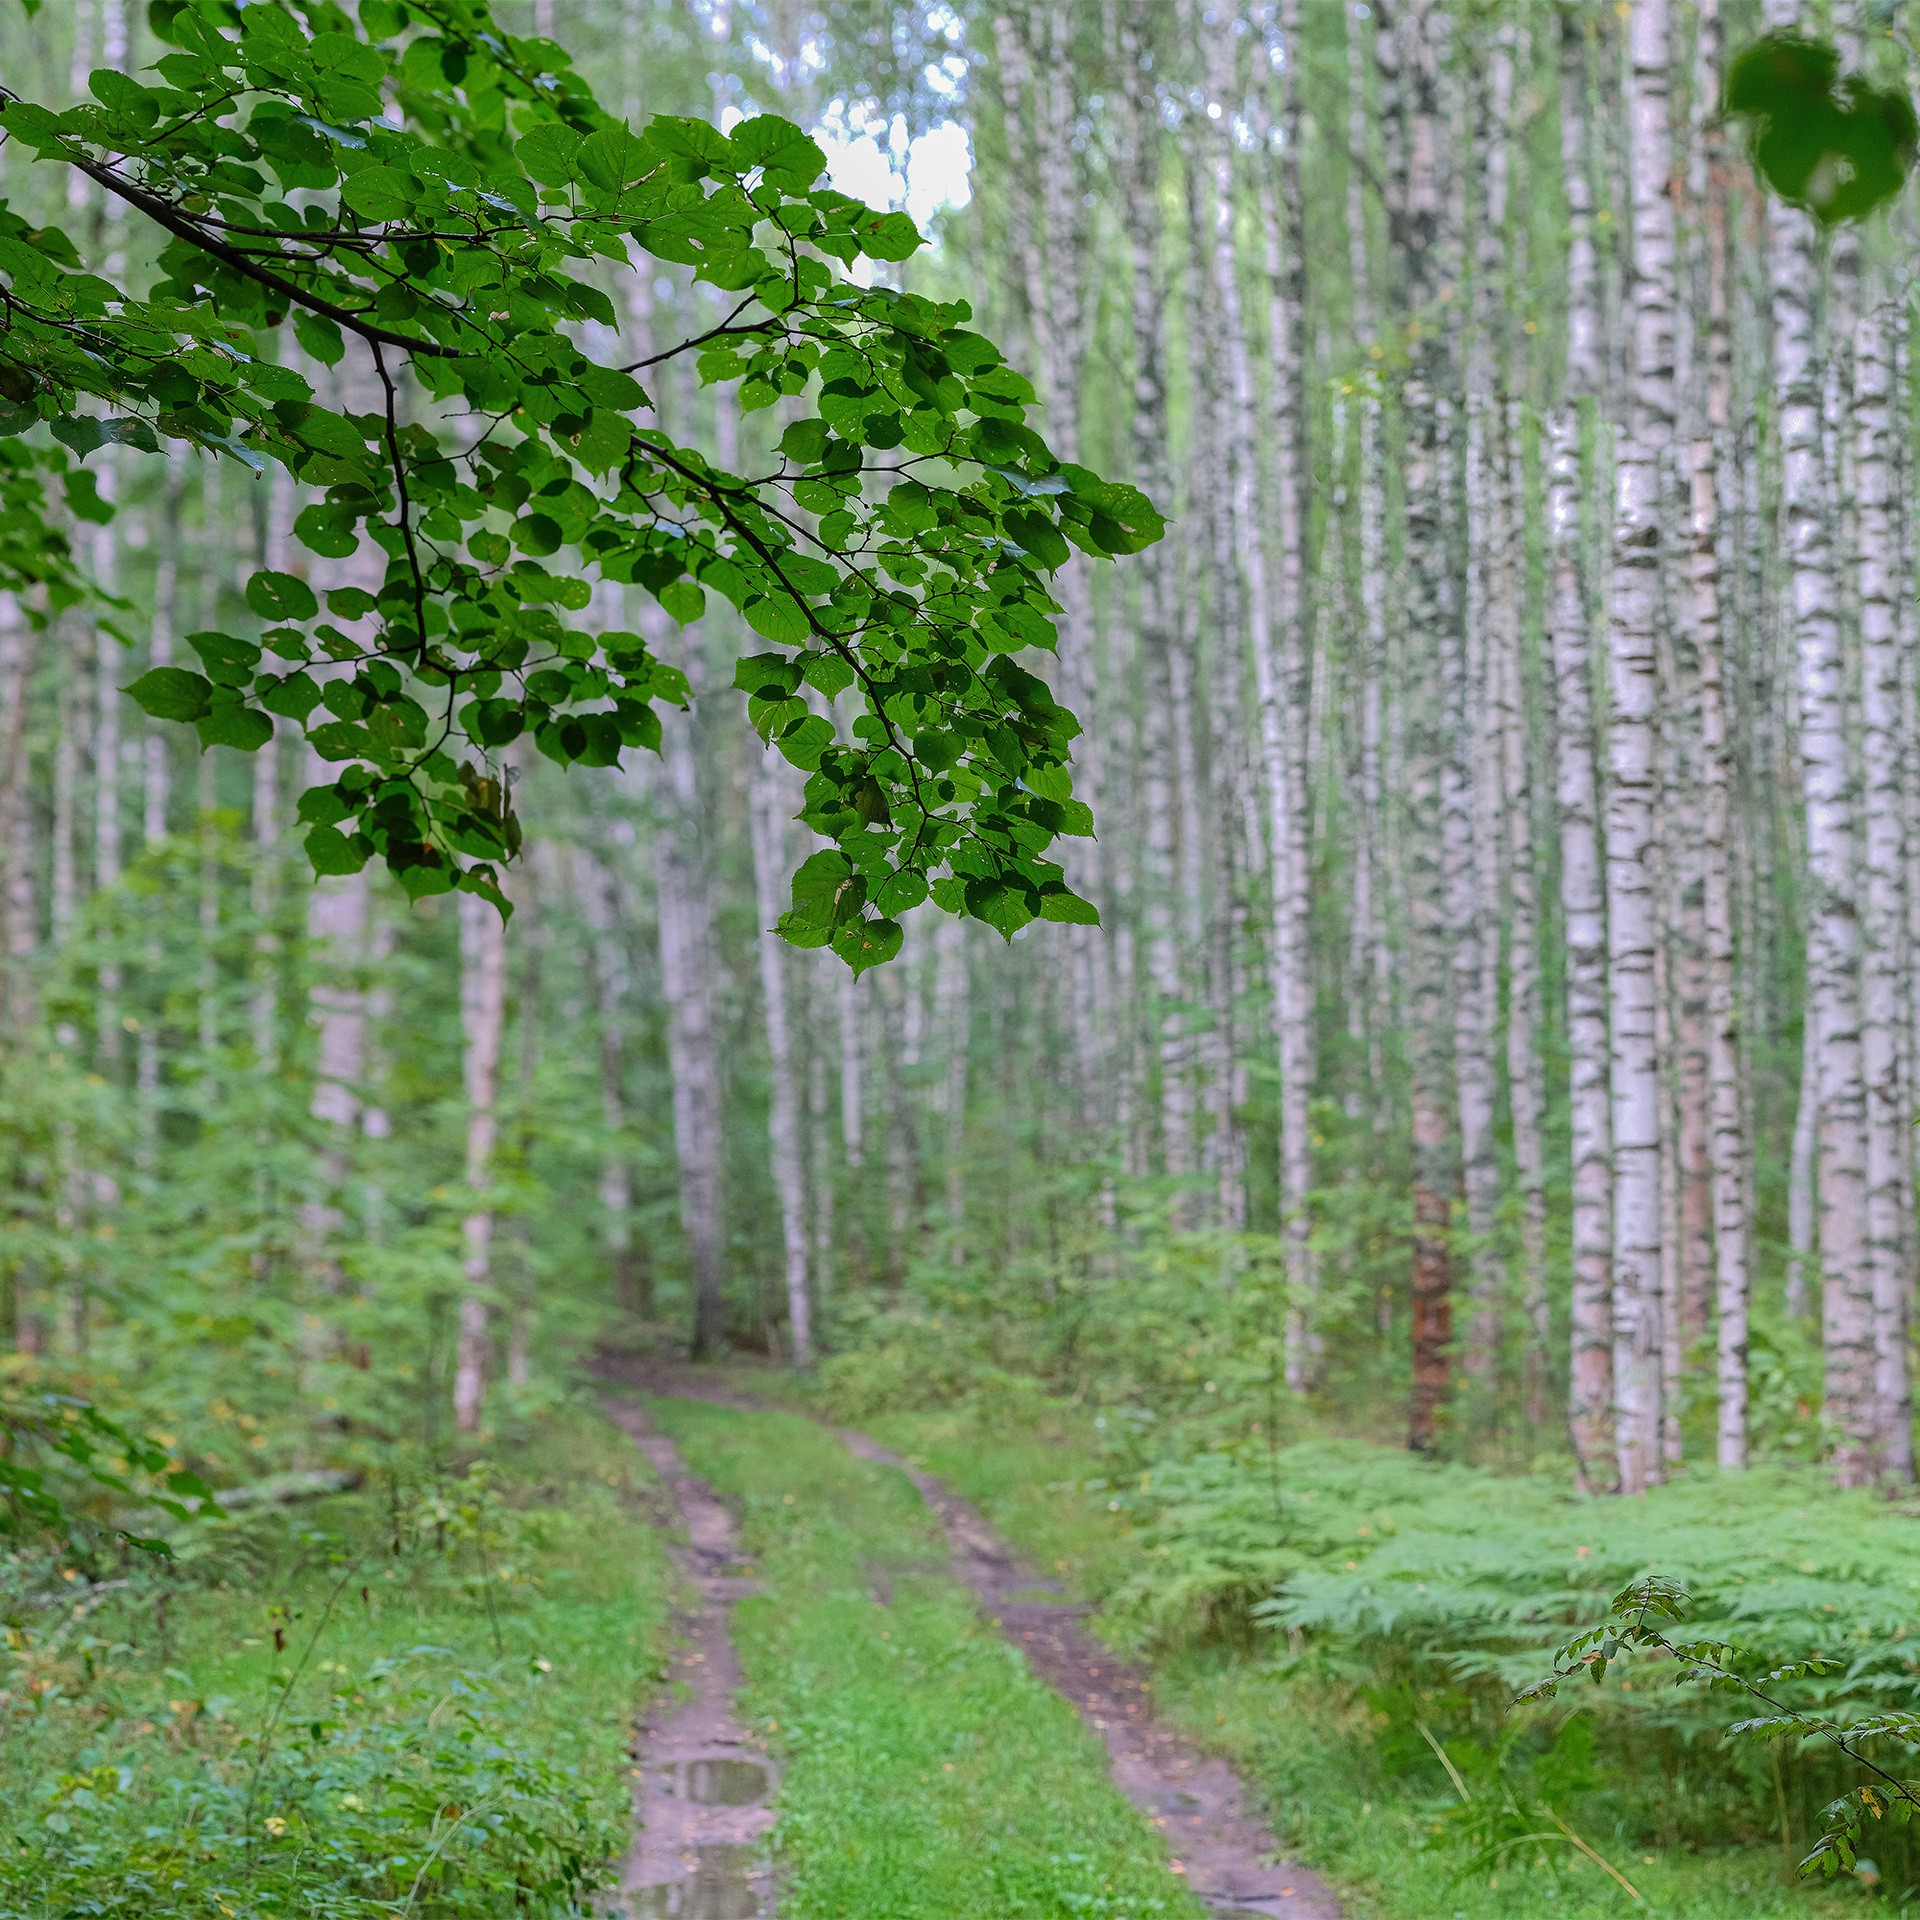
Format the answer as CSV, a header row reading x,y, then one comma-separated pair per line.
x,y
702,1798
1224,1852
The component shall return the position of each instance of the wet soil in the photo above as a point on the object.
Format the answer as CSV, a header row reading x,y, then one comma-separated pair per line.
x,y
702,1789
1224,1851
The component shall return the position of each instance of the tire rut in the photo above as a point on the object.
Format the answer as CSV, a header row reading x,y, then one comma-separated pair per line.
x,y
702,1788
1224,1852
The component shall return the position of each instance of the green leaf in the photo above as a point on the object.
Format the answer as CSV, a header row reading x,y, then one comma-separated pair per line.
x,y
281,596
1036,532
293,697
229,662
330,851
609,159
379,193
341,740
83,498
318,337
235,726
1834,144
827,673
889,236
868,943
767,676
788,159
775,617
171,693
937,751
826,890
547,154
685,600
1069,908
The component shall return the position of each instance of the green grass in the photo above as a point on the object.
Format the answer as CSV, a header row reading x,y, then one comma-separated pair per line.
x,y
403,1700
928,1776
1347,1782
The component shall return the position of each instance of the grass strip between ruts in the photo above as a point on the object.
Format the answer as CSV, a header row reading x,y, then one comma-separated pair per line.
x,y
928,1774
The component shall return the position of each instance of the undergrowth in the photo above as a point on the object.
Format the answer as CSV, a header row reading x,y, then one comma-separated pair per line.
x,y
1353,1623
410,1699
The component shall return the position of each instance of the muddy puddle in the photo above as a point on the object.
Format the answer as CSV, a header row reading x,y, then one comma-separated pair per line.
x,y
722,1884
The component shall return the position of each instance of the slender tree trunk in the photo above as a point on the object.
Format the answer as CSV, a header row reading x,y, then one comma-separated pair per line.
x,y
108,844
483,999
851,993
1640,544
1526,1073
1833,936
1583,906
1727,1147
337,925
1889,1169
953,998
1278,617
607,961
19,910
770,807
692,1044
1420,60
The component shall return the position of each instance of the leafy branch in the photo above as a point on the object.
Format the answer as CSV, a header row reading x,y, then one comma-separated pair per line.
x,y
1636,1625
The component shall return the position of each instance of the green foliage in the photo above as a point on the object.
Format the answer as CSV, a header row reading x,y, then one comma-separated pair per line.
x,y
413,1700
901,545
1636,1624
1836,145
106,1454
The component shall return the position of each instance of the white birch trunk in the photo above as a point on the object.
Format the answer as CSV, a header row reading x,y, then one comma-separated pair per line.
x,y
1889,1169
1633,912
19,910
692,1045
107,840
1277,623
770,807
953,998
483,1000
1526,1072
607,961
1727,1142
1833,933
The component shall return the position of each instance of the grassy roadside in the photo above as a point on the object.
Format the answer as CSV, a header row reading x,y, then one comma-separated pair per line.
x,y
1365,1816
412,1699
928,1775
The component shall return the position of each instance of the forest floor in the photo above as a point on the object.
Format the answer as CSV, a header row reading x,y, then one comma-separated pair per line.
x,y
421,1700
410,1699
1375,1834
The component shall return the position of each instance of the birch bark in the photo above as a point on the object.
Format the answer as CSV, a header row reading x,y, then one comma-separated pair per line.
x,y
1418,61
19,910
610,977
1838,1107
1277,626
692,1045
770,806
1727,1151
483,1000
1640,545
1889,1167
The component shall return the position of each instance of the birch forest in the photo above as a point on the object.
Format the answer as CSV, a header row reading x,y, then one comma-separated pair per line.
x,y
1471,1081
